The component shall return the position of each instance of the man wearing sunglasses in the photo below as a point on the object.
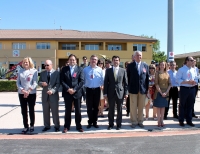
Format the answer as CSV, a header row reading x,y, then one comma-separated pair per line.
x,y
50,82
187,79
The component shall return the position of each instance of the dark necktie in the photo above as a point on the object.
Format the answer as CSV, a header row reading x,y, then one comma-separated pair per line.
x,y
48,77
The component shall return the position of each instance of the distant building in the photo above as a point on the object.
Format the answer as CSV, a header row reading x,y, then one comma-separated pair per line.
x,y
57,45
180,58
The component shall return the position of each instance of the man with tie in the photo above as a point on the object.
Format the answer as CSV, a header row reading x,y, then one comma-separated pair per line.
x,y
50,82
138,84
72,81
115,89
93,76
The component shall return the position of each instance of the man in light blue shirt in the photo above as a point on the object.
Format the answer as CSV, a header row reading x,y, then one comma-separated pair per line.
x,y
173,93
187,79
94,83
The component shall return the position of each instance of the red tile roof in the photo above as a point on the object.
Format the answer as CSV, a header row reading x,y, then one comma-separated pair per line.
x,y
60,34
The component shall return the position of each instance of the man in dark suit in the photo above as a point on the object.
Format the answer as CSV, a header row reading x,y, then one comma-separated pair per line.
x,y
115,88
138,84
50,82
72,80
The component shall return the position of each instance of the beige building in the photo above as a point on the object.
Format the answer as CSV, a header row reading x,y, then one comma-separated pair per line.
x,y
57,45
180,58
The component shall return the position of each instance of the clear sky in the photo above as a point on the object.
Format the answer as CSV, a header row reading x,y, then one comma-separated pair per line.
x,y
136,17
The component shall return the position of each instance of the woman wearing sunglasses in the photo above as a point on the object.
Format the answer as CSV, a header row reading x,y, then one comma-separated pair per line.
x,y
151,91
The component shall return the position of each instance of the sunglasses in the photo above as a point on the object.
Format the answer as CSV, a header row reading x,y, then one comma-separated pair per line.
x,y
46,65
151,68
100,63
172,65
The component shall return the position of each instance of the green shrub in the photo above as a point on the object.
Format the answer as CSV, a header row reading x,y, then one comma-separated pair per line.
x,y
8,85
2,72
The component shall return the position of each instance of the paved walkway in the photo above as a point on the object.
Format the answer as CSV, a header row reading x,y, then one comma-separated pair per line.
x,y
11,118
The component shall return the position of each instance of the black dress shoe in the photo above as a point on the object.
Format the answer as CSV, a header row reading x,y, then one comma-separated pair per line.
x,y
127,114
65,130
25,130
89,126
194,116
80,130
118,128
57,129
45,129
165,117
181,124
32,129
109,127
191,124
96,126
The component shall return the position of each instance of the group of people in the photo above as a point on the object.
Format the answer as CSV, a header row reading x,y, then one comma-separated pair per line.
x,y
138,84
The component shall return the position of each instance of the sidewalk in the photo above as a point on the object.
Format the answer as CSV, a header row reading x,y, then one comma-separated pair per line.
x,y
11,118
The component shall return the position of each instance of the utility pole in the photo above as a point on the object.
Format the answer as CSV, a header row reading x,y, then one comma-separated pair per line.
x,y
170,35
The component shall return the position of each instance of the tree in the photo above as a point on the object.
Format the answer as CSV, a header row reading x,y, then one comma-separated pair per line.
x,y
157,54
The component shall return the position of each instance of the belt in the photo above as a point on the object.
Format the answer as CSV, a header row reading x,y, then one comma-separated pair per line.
x,y
187,87
174,87
92,88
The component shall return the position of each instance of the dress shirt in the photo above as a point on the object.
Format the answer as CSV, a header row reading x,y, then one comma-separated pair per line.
x,y
117,69
50,72
172,75
93,77
138,67
185,74
72,69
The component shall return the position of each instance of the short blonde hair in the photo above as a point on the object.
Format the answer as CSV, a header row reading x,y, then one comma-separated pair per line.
x,y
29,59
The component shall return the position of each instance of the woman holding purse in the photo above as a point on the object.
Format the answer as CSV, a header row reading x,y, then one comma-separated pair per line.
x,y
26,84
163,85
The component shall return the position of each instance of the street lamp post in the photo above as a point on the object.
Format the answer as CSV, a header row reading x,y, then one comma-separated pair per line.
x,y
170,37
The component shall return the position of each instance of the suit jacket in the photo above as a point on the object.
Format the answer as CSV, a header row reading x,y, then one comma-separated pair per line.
x,y
72,81
138,83
55,84
111,86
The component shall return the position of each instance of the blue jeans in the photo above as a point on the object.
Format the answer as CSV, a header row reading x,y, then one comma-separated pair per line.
x,y
187,99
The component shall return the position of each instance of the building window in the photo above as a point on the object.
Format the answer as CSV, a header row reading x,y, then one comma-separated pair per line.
x,y
139,47
91,47
43,46
19,46
68,46
114,47
0,46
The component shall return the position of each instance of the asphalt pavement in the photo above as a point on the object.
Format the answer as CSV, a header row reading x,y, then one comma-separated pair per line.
x,y
187,144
